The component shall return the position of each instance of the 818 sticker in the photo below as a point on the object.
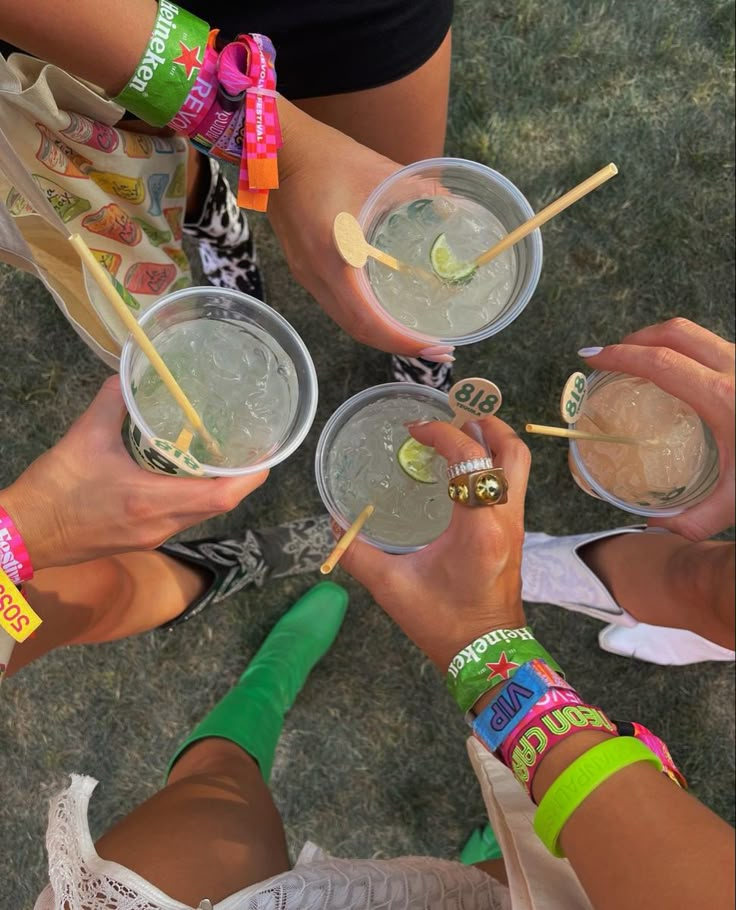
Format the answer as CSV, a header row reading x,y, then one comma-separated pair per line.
x,y
16,616
573,397
474,398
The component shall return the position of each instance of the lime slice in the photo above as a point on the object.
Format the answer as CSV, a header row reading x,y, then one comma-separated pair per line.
x,y
416,461
446,265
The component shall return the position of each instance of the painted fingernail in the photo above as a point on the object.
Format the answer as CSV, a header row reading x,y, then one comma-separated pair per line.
x,y
440,358
432,352
410,424
589,352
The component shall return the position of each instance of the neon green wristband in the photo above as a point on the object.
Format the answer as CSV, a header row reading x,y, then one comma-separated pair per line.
x,y
170,63
580,779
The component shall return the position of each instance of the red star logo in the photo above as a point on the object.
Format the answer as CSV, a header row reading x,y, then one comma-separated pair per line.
x,y
189,59
503,667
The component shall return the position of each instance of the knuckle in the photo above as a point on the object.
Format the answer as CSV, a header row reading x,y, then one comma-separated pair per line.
x,y
222,501
467,449
138,509
678,325
663,359
722,388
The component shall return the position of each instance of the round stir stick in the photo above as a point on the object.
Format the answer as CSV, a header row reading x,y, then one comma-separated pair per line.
x,y
347,538
474,398
355,249
102,278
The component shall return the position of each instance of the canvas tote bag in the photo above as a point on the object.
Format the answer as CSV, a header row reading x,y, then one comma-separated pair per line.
x,y
66,168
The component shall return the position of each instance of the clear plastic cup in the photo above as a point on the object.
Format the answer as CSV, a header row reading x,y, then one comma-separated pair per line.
x,y
405,401
654,505
225,306
481,185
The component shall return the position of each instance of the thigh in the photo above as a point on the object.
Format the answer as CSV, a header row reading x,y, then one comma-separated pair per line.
x,y
212,831
405,120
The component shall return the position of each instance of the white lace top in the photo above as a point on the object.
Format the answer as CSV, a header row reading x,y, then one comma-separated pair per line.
x,y
82,880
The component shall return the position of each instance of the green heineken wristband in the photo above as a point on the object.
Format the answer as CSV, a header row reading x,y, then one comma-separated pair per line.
x,y
490,660
169,65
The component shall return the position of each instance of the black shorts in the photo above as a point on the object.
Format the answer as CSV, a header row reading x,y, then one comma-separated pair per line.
x,y
328,47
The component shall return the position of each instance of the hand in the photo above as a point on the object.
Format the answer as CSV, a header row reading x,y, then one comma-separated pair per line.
x,y
697,367
86,497
324,172
468,581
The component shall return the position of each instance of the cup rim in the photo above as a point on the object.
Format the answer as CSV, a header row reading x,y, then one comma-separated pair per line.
x,y
600,490
536,257
337,419
310,395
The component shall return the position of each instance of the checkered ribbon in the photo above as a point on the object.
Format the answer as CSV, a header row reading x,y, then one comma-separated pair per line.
x,y
236,114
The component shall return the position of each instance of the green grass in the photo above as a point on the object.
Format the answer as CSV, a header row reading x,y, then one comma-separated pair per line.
x,y
546,93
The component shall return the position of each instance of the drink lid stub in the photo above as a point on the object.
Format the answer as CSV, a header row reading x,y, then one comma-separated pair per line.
x,y
573,397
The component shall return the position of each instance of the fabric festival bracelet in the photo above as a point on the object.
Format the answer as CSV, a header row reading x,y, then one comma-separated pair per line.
x,y
580,779
526,748
165,74
657,745
14,558
16,616
515,700
491,659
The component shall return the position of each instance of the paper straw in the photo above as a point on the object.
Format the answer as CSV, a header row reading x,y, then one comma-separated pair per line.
x,y
348,537
579,434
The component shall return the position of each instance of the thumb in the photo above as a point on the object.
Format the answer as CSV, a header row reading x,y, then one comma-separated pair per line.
x,y
107,409
367,564
703,520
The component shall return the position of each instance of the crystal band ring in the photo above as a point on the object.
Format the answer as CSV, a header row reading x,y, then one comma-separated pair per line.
x,y
465,467
479,488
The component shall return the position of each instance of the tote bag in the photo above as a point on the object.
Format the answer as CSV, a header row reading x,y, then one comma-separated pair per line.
x,y
66,168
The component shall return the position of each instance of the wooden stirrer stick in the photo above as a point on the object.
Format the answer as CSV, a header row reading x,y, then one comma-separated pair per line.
x,y
579,434
105,284
347,538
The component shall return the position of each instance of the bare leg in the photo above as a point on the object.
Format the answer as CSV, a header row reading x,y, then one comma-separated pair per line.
x,y
106,599
211,831
405,120
666,580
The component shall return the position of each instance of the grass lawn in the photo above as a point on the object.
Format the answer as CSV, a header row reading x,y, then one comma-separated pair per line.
x,y
546,93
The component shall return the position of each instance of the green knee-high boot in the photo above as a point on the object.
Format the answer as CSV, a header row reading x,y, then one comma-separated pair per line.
x,y
252,713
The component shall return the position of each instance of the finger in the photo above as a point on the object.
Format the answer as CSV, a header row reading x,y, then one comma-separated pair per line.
x,y
700,387
689,339
701,522
510,452
107,408
450,442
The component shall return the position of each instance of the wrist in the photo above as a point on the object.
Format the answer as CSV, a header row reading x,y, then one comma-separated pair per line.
x,y
32,519
513,613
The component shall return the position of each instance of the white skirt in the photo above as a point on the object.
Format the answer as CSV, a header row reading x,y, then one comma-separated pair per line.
x,y
82,880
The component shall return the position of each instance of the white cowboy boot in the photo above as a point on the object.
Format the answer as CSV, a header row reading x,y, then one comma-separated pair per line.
x,y
553,572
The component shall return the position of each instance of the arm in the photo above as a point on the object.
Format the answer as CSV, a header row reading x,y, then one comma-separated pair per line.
x,y
87,498
637,840
97,40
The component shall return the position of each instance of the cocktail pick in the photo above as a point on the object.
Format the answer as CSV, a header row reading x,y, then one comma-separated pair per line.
x,y
102,278
472,399
355,249
465,270
347,538
564,433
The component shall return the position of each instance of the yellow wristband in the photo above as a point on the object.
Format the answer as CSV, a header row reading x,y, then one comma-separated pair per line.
x,y
16,616
580,779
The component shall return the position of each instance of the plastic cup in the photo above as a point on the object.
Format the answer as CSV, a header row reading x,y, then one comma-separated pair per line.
x,y
389,392
657,505
479,184
160,456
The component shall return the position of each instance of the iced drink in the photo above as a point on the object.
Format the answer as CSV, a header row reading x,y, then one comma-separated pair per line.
x,y
458,208
675,463
358,462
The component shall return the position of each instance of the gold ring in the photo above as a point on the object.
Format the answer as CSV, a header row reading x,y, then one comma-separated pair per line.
x,y
479,488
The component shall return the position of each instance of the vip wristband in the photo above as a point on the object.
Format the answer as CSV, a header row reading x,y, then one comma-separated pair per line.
x,y
513,703
165,74
491,659
580,779
14,558
16,616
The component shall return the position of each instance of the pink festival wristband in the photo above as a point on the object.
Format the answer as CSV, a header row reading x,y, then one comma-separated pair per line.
x,y
14,558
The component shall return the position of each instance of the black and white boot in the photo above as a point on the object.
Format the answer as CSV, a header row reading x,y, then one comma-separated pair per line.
x,y
223,238
421,372
290,549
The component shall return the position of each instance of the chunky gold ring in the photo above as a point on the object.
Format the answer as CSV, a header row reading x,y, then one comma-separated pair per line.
x,y
479,488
